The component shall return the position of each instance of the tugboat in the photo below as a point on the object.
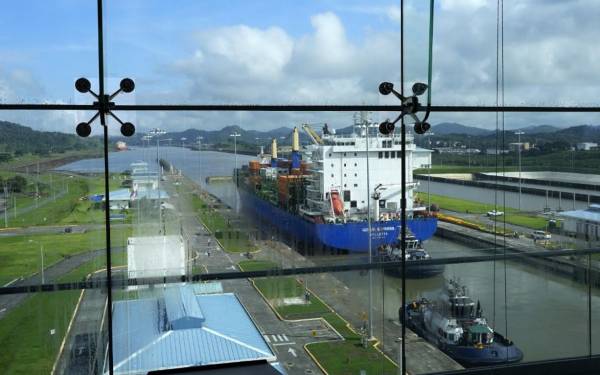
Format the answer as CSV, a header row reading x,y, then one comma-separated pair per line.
x,y
414,252
456,325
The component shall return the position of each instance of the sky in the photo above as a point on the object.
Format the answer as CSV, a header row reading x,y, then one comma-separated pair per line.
x,y
299,52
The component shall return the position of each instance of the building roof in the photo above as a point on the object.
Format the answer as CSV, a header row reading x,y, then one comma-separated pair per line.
x,y
143,342
126,194
182,308
590,214
568,177
423,150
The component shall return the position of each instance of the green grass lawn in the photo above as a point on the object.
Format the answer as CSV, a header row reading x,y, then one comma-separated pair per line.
x,y
28,347
29,159
278,287
350,357
511,215
66,209
20,257
339,357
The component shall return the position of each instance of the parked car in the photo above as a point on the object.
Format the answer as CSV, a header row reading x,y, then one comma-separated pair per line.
x,y
494,213
541,235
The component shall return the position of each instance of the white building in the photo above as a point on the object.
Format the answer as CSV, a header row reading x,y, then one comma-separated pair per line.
x,y
422,158
582,223
586,146
156,256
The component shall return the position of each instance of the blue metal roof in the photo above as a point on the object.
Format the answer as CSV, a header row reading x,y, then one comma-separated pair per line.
x,y
143,342
182,308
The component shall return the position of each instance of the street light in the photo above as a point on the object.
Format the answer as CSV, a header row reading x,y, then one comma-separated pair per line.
x,y
399,341
199,139
156,132
235,135
518,134
42,258
429,172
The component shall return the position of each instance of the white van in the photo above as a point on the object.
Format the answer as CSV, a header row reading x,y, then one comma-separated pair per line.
x,y
541,235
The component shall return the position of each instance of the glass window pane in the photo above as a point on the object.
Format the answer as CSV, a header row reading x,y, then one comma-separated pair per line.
x,y
52,234
260,52
45,49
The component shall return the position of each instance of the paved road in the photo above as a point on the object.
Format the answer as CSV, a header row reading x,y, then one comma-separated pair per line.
x,y
51,275
54,229
286,339
422,357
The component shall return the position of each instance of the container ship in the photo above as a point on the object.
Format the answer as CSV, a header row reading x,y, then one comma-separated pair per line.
x,y
322,195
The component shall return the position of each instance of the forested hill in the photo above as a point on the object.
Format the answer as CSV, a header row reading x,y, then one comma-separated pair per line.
x,y
17,140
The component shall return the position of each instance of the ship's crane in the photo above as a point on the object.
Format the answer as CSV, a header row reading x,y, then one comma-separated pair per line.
x,y
312,134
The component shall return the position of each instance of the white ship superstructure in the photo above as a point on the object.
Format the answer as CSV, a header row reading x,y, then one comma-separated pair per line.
x,y
339,171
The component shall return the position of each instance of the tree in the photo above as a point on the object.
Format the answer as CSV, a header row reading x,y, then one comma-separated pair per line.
x,y
17,183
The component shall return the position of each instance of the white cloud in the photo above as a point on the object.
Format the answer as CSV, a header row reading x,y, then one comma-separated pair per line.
x,y
549,59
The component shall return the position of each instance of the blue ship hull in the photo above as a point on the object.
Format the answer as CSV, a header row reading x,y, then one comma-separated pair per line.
x,y
501,351
494,354
352,237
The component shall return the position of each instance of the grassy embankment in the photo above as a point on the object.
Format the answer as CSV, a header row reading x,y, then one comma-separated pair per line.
x,y
20,255
346,356
25,331
458,169
511,215
60,205
31,160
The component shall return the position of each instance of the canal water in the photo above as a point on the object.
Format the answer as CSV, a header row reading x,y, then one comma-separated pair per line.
x,y
546,315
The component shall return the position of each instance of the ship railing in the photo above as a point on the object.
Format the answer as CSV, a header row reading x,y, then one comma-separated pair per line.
x,y
331,138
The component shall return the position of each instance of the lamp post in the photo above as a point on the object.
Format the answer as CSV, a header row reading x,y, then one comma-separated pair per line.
x,y
235,135
5,205
429,172
42,259
199,140
399,341
518,134
156,132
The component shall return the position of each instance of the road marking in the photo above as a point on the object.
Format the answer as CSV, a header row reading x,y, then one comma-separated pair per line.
x,y
292,352
274,338
10,282
285,343
281,338
266,338
285,338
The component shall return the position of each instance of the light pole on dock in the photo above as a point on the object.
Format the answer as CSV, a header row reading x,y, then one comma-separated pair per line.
x,y
199,140
429,171
518,134
235,135
156,132
42,259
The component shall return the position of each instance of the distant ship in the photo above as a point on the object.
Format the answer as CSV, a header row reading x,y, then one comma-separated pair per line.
x,y
121,146
455,324
321,197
